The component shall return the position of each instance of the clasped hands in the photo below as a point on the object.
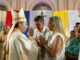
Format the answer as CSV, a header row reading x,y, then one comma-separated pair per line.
x,y
41,40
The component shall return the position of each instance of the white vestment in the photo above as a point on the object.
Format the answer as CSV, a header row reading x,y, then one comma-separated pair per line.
x,y
21,48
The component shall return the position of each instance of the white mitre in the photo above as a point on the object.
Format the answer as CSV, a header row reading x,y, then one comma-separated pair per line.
x,y
16,17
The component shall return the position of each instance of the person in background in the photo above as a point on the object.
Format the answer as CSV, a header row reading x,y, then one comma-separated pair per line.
x,y
72,51
77,24
76,30
55,45
72,35
3,33
3,36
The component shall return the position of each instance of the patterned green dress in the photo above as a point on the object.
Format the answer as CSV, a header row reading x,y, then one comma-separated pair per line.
x,y
74,47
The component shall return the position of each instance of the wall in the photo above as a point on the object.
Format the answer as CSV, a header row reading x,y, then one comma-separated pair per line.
x,y
57,5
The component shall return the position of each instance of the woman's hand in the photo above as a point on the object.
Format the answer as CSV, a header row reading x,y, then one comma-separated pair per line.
x,y
42,41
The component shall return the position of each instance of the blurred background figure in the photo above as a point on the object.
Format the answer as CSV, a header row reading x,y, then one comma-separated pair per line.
x,y
3,37
3,33
77,24
74,32
76,29
72,51
72,35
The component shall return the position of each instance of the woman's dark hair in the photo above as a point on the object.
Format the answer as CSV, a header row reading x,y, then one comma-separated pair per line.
x,y
72,31
77,23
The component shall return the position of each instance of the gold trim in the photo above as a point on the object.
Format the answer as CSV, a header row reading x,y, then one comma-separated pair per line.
x,y
15,18
22,18
19,18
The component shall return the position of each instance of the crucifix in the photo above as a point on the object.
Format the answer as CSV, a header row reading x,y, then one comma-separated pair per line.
x,y
42,14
